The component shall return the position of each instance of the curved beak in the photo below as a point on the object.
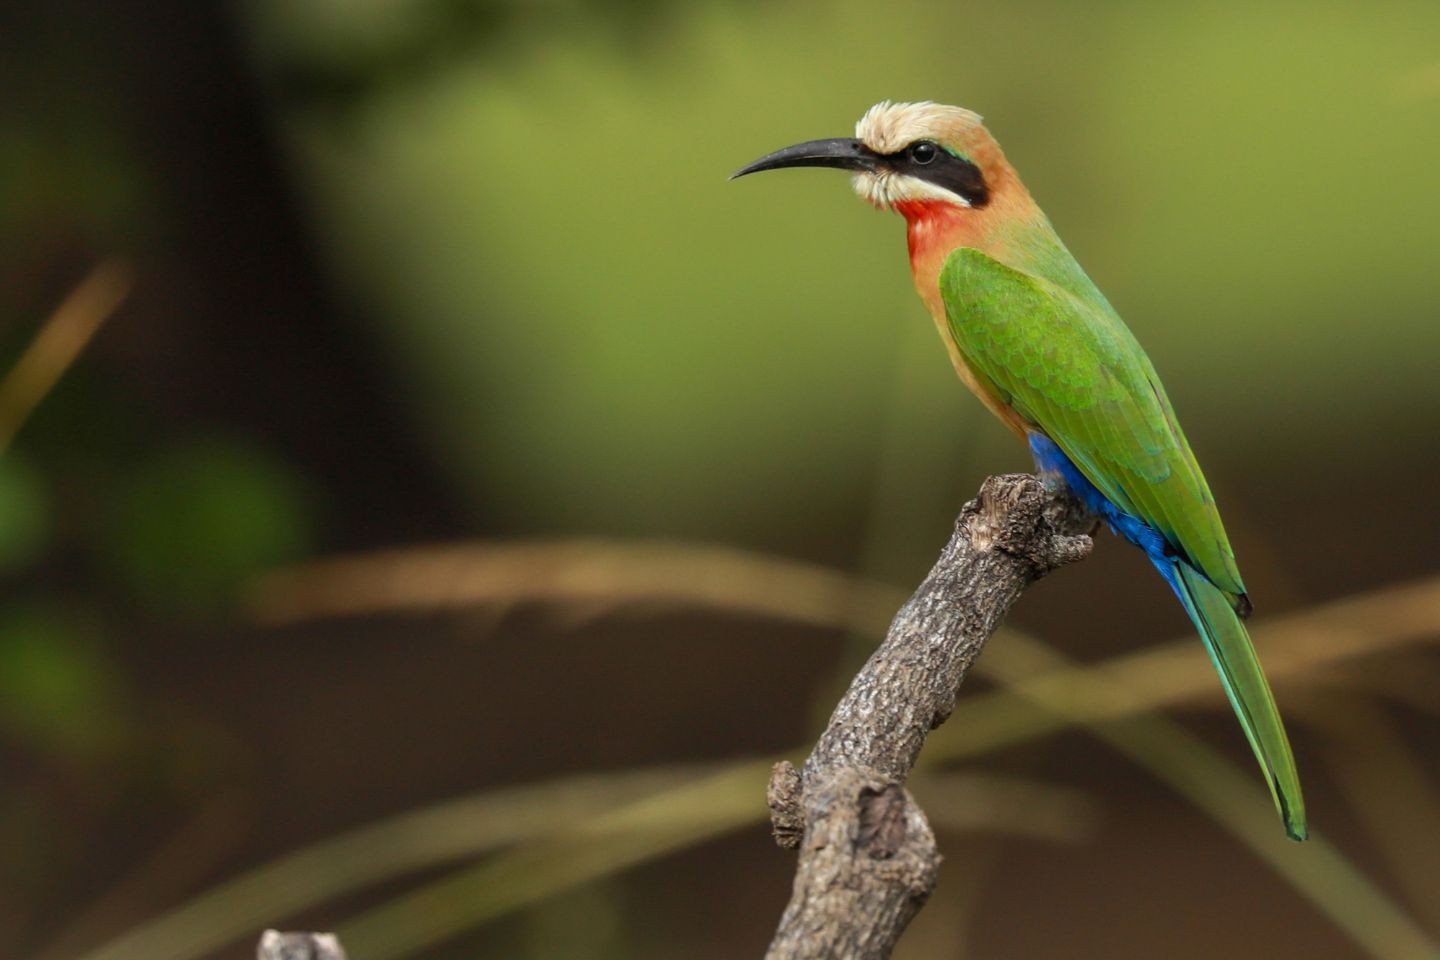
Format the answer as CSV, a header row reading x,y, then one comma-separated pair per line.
x,y
844,153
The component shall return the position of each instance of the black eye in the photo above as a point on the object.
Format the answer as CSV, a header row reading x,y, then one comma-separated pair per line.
x,y
923,152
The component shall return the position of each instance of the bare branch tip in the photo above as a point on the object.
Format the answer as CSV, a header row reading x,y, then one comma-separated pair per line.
x,y
275,945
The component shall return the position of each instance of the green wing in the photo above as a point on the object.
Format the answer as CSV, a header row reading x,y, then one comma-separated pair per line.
x,y
1068,366
1073,369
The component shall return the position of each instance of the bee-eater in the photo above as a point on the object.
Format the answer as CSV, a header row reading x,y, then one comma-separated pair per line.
x,y
1038,343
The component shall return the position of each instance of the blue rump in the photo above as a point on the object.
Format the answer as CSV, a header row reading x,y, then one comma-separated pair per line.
x,y
1052,463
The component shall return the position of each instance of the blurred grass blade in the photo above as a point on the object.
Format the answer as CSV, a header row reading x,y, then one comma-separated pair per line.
x,y
971,801
424,838
571,831
658,825
1317,639
639,832
59,342
662,824
168,873
604,574
608,577
1389,790
1237,801
1405,680
1318,869
1046,692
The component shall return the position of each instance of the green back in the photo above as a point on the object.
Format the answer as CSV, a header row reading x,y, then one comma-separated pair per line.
x,y
1057,352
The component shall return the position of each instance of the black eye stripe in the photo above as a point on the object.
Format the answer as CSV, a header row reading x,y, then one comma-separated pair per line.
x,y
945,170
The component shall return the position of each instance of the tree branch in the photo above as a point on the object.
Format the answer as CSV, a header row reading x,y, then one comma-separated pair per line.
x,y
275,945
868,859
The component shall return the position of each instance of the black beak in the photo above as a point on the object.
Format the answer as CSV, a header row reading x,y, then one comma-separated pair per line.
x,y
843,153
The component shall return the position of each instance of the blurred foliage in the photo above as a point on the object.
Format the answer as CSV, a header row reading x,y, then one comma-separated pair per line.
x,y
58,691
194,523
538,271
24,513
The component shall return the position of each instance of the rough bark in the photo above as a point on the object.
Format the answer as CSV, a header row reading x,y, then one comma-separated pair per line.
x,y
868,859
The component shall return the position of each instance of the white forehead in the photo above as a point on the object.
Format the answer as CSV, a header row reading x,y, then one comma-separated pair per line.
x,y
888,127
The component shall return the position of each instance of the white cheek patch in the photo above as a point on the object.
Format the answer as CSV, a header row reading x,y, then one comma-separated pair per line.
x,y
884,189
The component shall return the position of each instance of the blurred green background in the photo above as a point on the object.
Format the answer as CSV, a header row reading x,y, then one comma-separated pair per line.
x,y
424,274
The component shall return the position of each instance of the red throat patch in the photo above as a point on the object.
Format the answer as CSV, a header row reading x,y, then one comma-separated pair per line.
x,y
932,225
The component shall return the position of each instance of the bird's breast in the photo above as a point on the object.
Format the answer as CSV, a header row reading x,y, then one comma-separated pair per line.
x,y
935,229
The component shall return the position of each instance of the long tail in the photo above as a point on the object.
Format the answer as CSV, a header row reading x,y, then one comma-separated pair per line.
x,y
1221,629
1234,658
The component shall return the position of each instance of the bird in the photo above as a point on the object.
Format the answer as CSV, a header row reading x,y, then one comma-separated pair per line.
x,y
1036,341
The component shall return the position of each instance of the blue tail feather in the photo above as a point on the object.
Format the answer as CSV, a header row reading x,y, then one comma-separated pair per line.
x,y
1210,611
1051,461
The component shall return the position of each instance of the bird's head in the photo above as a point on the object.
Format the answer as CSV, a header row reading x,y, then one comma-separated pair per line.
x,y
908,157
